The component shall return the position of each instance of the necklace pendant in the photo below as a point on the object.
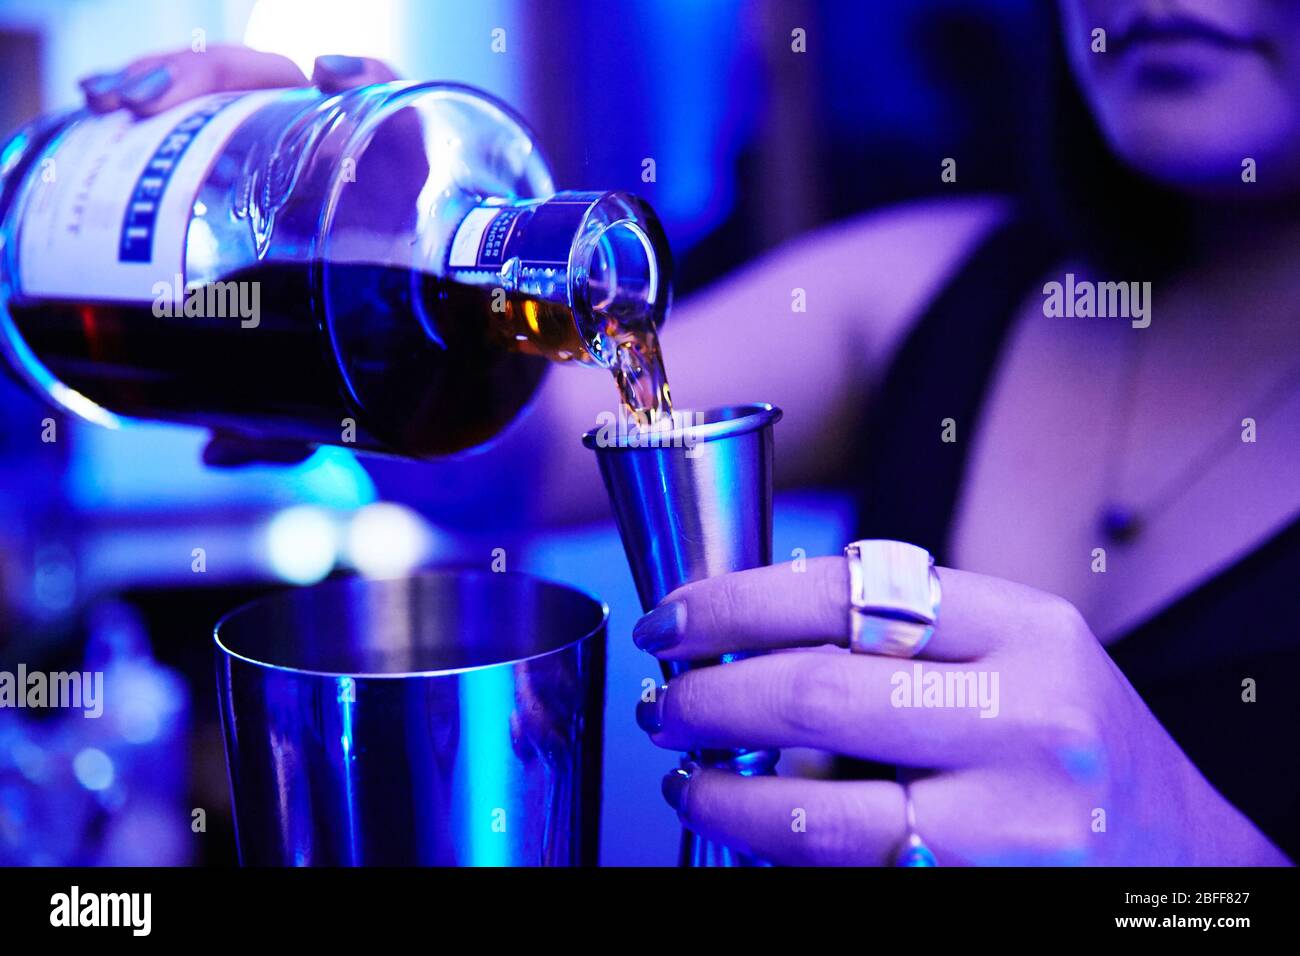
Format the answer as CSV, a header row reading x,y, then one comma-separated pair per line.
x,y
1119,524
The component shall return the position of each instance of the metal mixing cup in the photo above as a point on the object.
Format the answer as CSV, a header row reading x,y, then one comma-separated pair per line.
x,y
449,718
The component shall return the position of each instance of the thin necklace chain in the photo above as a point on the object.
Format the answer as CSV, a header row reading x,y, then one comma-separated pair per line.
x,y
1186,477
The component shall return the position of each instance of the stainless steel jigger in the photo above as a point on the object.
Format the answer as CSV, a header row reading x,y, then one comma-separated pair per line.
x,y
693,502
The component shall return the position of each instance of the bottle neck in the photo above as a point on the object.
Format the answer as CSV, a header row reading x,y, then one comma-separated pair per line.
x,y
601,257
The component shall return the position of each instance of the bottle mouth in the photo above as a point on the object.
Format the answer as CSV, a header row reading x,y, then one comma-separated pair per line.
x,y
620,271
624,276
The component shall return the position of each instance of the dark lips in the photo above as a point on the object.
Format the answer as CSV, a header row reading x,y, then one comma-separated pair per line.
x,y
1146,30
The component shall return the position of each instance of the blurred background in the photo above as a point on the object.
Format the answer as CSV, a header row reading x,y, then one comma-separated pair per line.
x,y
119,550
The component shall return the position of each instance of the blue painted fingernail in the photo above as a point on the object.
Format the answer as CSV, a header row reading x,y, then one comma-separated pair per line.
x,y
674,784
147,86
649,713
662,628
101,84
341,65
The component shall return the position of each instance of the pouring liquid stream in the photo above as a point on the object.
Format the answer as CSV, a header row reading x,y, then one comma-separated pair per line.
x,y
641,379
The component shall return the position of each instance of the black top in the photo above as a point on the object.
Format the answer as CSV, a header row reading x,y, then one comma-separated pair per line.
x,y
1189,661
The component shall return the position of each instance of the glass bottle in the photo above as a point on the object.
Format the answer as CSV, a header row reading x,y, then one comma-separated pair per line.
x,y
389,268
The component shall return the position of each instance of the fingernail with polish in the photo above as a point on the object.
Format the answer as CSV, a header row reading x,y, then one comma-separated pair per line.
x,y
649,713
341,65
101,84
662,628
147,86
674,785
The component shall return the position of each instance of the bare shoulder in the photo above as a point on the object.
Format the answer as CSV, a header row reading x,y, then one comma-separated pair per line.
x,y
901,257
932,231
878,270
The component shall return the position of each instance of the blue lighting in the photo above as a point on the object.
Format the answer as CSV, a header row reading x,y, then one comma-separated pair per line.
x,y
486,805
347,698
121,469
93,769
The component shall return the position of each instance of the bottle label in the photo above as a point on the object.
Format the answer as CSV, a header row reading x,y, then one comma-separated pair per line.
x,y
539,235
109,208
480,242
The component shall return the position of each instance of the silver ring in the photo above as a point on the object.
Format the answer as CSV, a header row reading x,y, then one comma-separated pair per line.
x,y
893,597
913,851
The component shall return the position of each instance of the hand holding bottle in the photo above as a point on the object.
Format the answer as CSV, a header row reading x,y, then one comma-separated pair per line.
x,y
155,83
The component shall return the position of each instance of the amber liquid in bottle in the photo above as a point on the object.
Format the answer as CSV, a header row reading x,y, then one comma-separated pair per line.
x,y
439,390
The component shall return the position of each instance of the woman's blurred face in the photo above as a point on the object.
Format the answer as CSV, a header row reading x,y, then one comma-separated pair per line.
x,y
1187,89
